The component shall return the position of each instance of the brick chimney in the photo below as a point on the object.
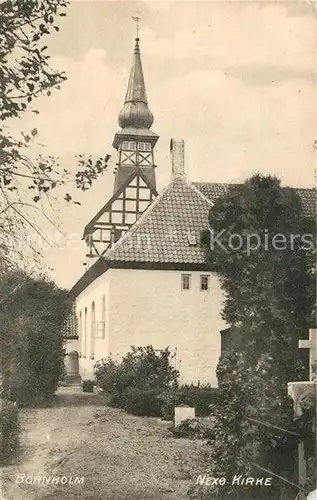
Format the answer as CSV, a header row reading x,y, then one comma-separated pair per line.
x,y
177,153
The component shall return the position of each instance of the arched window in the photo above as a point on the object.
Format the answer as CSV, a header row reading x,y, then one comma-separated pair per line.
x,y
80,331
85,334
92,330
103,316
93,319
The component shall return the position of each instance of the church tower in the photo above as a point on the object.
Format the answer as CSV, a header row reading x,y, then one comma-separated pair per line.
x,y
135,183
135,142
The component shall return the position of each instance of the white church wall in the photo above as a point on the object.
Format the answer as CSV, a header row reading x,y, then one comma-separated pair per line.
x,y
90,348
149,307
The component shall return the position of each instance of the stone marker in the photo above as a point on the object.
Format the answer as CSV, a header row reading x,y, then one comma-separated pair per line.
x,y
311,344
182,413
312,495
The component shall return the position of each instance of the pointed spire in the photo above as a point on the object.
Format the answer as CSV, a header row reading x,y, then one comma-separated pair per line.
x,y
135,112
136,86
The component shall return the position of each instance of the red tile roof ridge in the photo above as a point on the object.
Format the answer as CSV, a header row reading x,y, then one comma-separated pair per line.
x,y
194,188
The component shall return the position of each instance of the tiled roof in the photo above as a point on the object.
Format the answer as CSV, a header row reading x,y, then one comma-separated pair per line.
x,y
166,233
213,190
308,199
169,231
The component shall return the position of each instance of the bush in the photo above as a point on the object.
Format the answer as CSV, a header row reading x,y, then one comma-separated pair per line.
x,y
136,382
202,398
9,430
193,428
88,385
31,338
140,368
143,403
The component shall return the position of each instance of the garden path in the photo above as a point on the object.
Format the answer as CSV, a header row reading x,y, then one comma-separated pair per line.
x,y
120,456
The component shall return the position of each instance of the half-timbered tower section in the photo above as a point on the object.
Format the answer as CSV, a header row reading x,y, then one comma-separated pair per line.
x,y
135,183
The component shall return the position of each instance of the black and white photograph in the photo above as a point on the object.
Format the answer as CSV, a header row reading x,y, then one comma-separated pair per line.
x,y
158,333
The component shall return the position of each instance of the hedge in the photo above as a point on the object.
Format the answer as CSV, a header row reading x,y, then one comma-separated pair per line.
x,y
158,403
9,430
200,397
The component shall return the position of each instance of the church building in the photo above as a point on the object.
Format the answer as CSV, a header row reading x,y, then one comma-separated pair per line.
x,y
149,281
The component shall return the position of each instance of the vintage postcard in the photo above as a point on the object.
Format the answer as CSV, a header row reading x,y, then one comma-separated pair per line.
x,y
158,250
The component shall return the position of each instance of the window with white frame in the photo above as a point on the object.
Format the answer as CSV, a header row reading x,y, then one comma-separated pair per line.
x,y
186,281
204,283
129,146
144,146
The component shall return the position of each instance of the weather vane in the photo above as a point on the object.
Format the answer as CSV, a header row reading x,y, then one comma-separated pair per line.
x,y
137,19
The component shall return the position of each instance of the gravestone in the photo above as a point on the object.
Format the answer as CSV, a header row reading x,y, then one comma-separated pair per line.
x,y
312,495
72,369
182,413
300,392
311,344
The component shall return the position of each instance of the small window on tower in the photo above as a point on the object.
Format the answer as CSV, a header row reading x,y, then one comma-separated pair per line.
x,y
141,146
204,283
132,146
186,278
147,146
125,145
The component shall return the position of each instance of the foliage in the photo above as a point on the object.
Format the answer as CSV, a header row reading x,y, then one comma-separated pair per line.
x,y
306,426
9,430
193,428
270,297
201,397
138,379
88,385
26,74
32,314
143,402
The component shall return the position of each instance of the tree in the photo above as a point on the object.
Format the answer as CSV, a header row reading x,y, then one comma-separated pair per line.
x,y
33,312
269,286
26,74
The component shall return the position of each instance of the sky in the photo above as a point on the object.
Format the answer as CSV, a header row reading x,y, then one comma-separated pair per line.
x,y
234,79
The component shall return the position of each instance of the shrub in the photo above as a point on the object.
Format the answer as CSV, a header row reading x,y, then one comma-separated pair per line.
x,y
88,385
141,368
9,430
109,376
169,399
143,402
202,398
192,428
31,338
136,382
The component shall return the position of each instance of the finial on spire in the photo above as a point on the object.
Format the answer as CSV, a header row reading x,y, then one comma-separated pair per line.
x,y
135,112
137,20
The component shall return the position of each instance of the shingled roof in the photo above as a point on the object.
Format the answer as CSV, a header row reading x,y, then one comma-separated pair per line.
x,y
169,231
167,235
213,190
